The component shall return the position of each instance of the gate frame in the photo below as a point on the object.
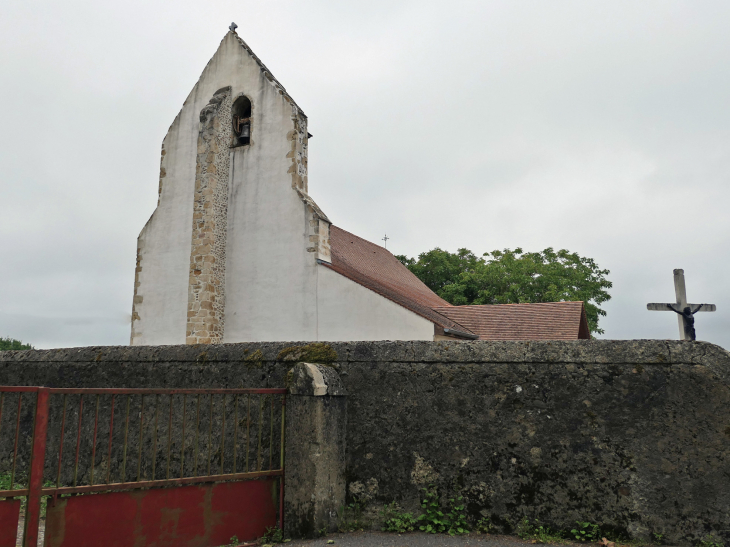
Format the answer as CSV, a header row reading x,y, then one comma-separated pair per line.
x,y
35,489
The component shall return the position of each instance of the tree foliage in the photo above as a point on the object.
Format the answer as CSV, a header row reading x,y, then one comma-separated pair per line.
x,y
11,343
514,276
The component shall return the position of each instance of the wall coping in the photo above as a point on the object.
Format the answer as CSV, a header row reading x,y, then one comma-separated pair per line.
x,y
644,352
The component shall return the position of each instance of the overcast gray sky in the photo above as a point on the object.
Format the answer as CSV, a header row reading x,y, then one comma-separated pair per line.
x,y
599,127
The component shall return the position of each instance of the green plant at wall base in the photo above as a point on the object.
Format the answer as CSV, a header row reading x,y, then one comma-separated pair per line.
x,y
351,518
585,531
273,534
524,529
710,541
484,525
396,521
537,533
457,517
434,520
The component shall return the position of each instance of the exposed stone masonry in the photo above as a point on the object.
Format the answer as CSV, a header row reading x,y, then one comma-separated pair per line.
x,y
319,225
298,154
206,288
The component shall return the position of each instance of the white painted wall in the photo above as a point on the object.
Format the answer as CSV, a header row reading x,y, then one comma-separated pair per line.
x,y
348,311
165,240
274,288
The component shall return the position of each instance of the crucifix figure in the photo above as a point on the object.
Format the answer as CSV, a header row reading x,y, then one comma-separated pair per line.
x,y
386,238
684,310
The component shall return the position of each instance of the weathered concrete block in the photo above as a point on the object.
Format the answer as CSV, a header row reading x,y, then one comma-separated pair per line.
x,y
316,428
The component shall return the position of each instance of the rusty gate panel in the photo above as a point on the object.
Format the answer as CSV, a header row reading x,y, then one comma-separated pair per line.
x,y
187,516
9,512
143,467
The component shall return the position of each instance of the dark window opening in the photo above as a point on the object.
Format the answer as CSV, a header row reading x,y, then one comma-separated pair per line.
x,y
241,113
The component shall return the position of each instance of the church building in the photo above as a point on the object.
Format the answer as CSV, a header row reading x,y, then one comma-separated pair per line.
x,y
237,250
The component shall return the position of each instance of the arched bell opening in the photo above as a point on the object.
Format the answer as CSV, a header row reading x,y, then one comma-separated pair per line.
x,y
241,118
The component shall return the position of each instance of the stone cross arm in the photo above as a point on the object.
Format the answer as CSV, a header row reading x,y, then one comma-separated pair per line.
x,y
694,308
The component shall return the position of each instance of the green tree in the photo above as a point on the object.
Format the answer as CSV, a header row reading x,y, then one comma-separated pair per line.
x,y
11,343
514,276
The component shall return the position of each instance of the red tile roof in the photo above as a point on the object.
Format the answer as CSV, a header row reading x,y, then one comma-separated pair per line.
x,y
544,321
376,268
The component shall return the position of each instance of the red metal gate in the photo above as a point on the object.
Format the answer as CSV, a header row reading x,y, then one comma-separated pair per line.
x,y
144,469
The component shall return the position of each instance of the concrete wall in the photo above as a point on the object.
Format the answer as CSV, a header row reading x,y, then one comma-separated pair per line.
x,y
631,435
275,232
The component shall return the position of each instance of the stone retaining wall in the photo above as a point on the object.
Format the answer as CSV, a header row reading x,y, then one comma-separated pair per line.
x,y
632,435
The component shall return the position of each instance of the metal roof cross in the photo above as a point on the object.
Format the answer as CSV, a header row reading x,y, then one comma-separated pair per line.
x,y
684,310
386,238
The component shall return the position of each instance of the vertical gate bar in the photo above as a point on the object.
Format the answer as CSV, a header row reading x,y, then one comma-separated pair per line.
x,y
169,439
271,435
17,434
197,434
223,431
260,424
37,463
126,431
281,462
182,444
235,433
109,454
248,430
141,422
210,432
283,431
60,443
93,446
78,438
154,442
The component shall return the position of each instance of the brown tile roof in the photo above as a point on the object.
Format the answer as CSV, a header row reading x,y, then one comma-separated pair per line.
x,y
545,321
376,268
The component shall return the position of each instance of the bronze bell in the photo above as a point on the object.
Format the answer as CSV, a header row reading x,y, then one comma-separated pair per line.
x,y
242,126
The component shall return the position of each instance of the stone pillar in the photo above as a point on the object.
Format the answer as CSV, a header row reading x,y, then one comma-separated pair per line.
x,y
316,422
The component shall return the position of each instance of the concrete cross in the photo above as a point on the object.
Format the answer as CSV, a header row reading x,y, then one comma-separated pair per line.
x,y
684,310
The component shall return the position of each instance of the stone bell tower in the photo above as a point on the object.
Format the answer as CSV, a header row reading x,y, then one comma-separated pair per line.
x,y
230,252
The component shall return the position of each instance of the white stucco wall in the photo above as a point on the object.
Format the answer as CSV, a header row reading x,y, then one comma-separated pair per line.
x,y
274,289
348,311
165,241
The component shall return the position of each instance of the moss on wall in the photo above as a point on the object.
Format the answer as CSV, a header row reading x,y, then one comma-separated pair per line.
x,y
318,352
